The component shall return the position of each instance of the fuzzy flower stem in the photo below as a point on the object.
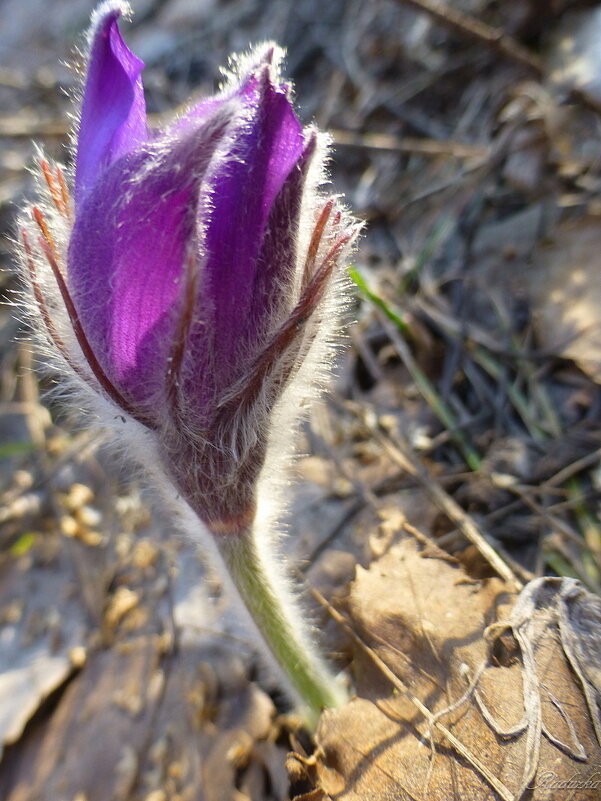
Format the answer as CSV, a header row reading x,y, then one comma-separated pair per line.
x,y
309,678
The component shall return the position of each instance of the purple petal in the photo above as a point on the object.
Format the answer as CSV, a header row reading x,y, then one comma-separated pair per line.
x,y
195,115
246,92
273,295
265,151
128,252
113,113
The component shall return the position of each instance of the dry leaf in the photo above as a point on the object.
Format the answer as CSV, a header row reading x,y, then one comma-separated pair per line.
x,y
565,283
520,696
134,722
573,60
41,622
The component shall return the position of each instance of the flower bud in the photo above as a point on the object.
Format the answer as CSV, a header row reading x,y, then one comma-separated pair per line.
x,y
186,275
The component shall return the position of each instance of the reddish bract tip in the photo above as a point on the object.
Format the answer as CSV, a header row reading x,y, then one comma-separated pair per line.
x,y
315,242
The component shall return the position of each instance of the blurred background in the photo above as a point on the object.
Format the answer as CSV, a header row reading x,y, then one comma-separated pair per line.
x,y
467,138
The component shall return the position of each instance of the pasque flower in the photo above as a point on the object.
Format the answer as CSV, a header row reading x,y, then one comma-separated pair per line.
x,y
186,275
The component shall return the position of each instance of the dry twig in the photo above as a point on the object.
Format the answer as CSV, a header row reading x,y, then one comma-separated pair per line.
x,y
470,28
403,457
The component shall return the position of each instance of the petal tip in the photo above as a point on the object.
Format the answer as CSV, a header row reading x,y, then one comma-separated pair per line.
x,y
112,120
106,13
264,59
268,53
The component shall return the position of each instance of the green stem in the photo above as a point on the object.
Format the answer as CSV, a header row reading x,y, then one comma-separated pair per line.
x,y
273,611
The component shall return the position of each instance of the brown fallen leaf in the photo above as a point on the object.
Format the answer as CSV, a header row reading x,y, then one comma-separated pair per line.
x,y
465,690
565,286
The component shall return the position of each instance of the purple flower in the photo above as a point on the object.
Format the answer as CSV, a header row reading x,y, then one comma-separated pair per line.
x,y
188,274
